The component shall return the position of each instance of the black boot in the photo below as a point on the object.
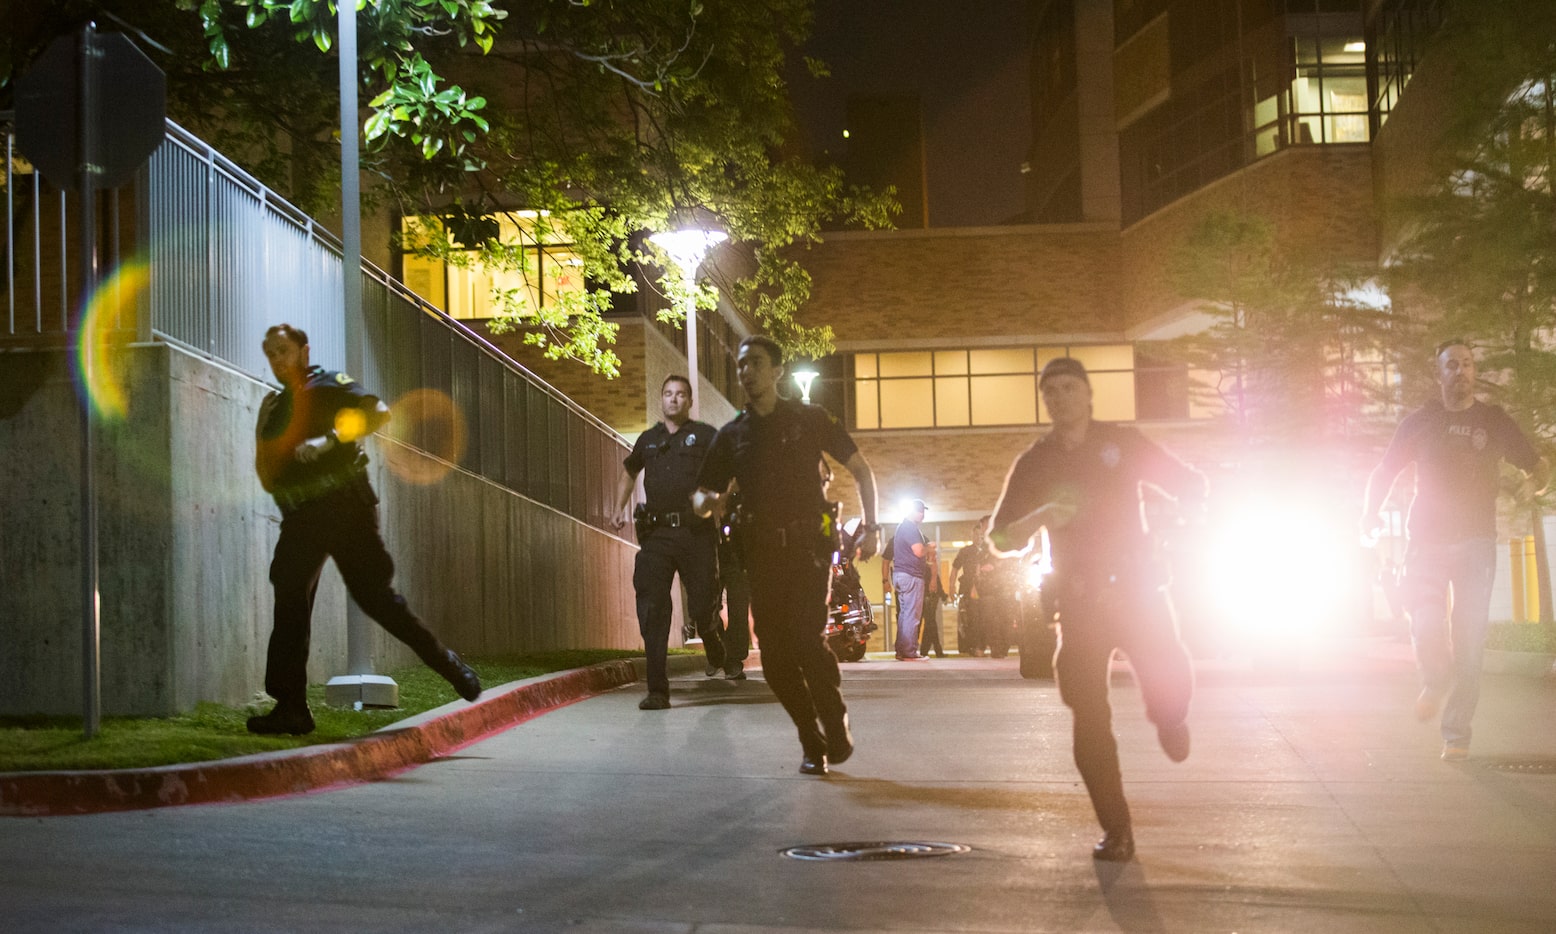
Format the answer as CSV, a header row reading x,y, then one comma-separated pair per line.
x,y
289,719
840,742
454,670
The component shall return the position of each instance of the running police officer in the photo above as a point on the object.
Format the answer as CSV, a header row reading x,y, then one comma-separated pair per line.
x,y
672,540
1082,482
773,450
309,457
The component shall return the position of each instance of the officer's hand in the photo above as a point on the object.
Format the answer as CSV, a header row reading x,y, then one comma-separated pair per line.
x,y
1370,527
314,448
618,522
869,545
268,406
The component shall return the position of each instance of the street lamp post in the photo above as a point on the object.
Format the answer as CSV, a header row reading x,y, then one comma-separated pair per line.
x,y
686,248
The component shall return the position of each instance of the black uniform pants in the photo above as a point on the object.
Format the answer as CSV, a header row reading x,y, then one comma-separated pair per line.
x,y
1140,622
665,552
342,525
789,605
736,633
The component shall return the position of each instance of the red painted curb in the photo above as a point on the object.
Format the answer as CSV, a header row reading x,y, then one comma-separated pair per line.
x,y
310,768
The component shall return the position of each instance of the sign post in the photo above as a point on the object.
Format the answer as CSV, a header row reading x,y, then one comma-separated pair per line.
x,y
89,113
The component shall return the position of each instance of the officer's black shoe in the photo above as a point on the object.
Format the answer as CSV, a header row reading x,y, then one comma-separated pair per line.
x,y
1116,846
464,679
654,702
814,763
840,742
293,721
711,670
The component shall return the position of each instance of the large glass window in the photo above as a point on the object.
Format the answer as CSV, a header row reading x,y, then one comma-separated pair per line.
x,y
540,267
1326,100
997,386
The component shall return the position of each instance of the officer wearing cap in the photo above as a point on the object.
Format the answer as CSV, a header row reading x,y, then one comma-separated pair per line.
x,y
773,449
671,538
309,457
1082,481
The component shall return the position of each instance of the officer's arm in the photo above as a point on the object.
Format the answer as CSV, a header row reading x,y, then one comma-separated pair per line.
x,y
864,478
1382,478
704,501
269,458
625,484
270,455
352,423
1536,481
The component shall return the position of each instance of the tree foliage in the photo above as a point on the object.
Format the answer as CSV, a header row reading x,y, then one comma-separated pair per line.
x,y
1293,350
609,119
1479,259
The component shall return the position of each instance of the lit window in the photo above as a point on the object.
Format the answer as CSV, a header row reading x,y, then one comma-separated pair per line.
x,y
988,387
539,267
1326,101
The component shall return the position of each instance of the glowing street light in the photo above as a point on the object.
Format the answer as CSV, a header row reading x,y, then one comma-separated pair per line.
x,y
686,247
804,374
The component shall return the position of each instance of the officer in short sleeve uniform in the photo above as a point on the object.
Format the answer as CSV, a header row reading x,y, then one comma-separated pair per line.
x,y
787,538
309,457
673,540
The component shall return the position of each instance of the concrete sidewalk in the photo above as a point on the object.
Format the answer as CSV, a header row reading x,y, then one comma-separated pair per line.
x,y
1312,802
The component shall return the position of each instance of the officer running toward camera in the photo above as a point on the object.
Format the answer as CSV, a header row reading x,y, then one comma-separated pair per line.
x,y
671,538
308,455
773,449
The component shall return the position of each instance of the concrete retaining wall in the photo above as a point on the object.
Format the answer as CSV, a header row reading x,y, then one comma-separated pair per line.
x,y
185,540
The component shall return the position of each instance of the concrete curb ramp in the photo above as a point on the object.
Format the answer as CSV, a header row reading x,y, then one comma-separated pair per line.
x,y
400,746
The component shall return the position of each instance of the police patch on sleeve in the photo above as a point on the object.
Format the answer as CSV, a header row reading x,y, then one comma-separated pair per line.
x,y
342,378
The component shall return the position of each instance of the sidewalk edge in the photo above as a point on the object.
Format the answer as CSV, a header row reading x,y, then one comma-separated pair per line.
x,y
309,768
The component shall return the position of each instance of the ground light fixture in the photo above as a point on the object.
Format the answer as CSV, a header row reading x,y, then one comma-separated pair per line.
x,y
686,247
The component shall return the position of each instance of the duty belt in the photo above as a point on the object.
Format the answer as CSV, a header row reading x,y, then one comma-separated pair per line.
x,y
673,519
297,495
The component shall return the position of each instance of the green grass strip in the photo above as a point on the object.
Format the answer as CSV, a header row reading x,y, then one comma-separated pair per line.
x,y
216,731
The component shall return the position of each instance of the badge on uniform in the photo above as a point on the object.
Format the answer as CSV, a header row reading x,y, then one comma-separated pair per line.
x,y
342,378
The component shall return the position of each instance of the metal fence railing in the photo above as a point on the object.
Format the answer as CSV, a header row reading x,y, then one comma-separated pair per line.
x,y
228,257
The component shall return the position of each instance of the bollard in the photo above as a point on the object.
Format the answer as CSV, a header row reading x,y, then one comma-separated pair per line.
x,y
1531,582
1515,554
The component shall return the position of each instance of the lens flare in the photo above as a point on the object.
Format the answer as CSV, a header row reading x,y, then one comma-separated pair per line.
x,y
428,420
350,424
105,321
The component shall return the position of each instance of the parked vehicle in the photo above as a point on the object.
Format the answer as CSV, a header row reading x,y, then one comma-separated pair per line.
x,y
850,617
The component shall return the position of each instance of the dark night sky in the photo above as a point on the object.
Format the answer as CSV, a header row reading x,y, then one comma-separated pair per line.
x,y
967,61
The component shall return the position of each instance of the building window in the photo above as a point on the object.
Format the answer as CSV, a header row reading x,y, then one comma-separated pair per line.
x,y
539,267
1326,100
997,386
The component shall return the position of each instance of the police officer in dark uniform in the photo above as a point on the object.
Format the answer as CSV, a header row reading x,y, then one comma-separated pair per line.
x,y
1082,482
309,457
773,449
671,538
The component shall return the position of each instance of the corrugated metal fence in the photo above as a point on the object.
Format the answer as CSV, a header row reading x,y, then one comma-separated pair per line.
x,y
228,257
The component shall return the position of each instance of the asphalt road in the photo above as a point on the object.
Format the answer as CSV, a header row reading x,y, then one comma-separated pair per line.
x,y
1312,802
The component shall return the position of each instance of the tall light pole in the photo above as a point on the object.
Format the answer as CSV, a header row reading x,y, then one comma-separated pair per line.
x,y
686,247
360,687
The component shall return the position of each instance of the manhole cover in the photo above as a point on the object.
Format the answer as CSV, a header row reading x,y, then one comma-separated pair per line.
x,y
1524,766
873,850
